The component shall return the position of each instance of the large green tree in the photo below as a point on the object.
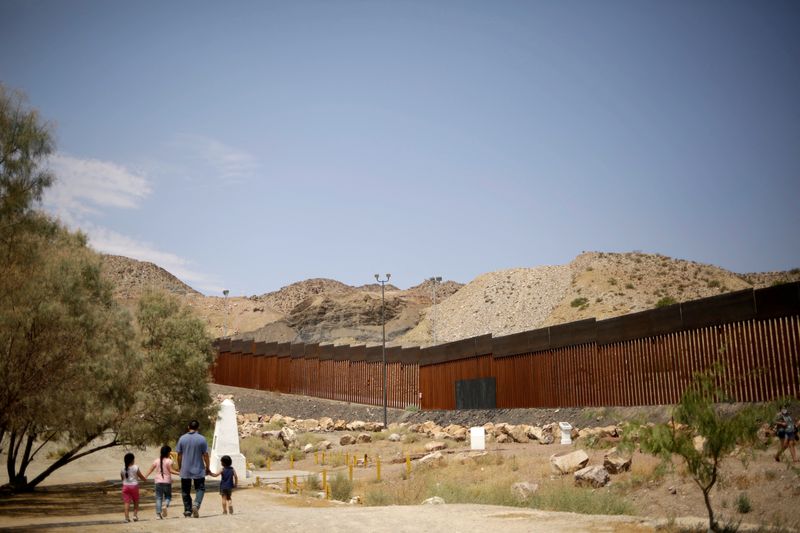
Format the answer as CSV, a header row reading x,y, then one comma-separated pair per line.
x,y
75,367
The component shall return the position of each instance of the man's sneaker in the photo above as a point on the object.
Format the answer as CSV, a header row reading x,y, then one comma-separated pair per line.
x,y
230,509
159,516
195,512
187,514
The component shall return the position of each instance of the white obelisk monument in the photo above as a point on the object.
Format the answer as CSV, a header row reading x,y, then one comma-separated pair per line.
x,y
226,440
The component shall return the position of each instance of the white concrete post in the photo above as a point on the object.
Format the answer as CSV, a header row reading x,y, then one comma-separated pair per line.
x,y
226,440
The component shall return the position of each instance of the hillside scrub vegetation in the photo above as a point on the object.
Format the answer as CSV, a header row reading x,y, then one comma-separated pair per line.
x,y
76,368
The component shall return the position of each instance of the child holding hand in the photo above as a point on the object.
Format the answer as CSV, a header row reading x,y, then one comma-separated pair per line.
x,y
227,483
163,480
130,476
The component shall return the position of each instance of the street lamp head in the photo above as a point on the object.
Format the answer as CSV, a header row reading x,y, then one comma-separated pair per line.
x,y
388,276
377,277
225,292
438,278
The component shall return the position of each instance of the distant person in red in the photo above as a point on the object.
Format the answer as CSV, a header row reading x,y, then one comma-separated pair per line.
x,y
787,433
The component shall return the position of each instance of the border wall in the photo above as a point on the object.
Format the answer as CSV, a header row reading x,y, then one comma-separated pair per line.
x,y
643,358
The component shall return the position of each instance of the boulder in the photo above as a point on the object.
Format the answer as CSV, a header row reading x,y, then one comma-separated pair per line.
x,y
308,424
394,437
288,419
276,419
539,434
287,435
251,417
434,446
461,435
415,428
699,442
436,500
363,438
324,445
615,462
502,438
524,490
346,440
429,427
502,429
568,462
466,457
356,425
439,435
326,423
373,426
432,459
273,434
339,425
308,448
593,476
519,433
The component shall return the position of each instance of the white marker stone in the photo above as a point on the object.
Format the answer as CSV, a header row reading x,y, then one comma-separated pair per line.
x,y
226,440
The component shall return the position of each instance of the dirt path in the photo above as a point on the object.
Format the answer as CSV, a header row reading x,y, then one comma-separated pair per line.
x,y
260,510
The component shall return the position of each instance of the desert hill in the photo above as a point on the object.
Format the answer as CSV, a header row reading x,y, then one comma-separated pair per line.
x,y
594,284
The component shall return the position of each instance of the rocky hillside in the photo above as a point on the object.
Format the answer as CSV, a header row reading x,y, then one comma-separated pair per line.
x,y
132,277
594,284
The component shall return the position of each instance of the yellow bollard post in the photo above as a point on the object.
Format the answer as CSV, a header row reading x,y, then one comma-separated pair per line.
x,y
408,465
366,459
378,467
294,482
323,457
316,458
269,463
324,479
287,484
328,492
347,458
350,469
291,462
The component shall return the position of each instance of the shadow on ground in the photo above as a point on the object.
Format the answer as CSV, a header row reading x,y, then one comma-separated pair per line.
x,y
83,499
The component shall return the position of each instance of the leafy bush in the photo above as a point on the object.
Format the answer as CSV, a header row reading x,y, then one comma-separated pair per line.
x,y
743,504
713,284
258,450
412,408
666,301
341,487
578,302
629,286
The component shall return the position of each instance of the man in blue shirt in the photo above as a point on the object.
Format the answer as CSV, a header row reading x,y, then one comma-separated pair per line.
x,y
193,462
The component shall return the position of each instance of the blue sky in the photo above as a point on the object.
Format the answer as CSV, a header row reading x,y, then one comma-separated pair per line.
x,y
248,145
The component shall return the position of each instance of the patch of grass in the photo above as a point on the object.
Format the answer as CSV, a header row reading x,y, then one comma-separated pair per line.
x,y
412,408
57,453
341,487
666,301
295,453
714,283
743,503
308,438
312,483
273,426
612,281
581,500
257,450
629,286
579,302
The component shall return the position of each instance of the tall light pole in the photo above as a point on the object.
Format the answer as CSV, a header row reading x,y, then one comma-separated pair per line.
x,y
434,281
383,349
225,294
